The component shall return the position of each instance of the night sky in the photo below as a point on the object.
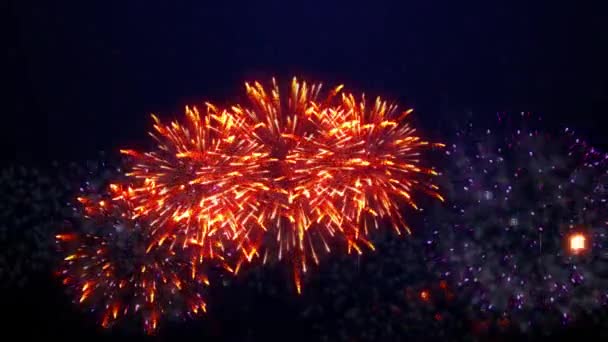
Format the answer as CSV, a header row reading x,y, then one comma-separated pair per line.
x,y
83,77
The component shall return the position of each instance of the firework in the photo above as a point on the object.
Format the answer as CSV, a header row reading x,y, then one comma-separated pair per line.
x,y
332,162
195,182
113,266
371,161
281,177
296,215
524,236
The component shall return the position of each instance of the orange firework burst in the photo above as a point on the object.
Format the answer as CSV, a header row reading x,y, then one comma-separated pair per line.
x,y
293,209
370,159
113,267
282,177
331,162
194,182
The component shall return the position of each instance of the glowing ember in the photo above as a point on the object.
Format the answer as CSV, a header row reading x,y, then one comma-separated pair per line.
x,y
424,295
577,243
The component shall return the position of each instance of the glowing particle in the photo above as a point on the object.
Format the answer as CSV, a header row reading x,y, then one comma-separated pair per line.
x,y
577,243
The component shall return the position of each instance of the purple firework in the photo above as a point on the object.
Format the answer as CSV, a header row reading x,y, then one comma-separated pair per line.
x,y
523,232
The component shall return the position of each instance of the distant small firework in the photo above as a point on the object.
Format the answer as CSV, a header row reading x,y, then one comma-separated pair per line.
x,y
282,177
577,243
113,267
524,235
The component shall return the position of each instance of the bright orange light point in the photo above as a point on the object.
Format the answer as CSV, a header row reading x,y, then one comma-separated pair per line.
x,y
577,243
424,295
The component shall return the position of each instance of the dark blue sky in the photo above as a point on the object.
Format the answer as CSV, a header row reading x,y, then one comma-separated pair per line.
x,y
84,77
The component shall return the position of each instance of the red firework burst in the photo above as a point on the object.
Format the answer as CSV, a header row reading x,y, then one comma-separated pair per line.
x,y
113,267
371,161
193,184
283,177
